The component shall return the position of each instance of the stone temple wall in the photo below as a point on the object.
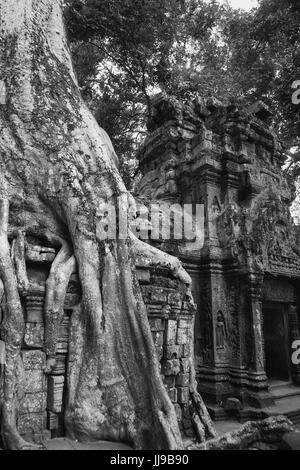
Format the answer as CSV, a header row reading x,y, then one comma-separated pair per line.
x,y
228,159
42,406
171,317
170,311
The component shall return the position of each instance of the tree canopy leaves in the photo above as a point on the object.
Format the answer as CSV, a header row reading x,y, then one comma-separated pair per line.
x,y
127,50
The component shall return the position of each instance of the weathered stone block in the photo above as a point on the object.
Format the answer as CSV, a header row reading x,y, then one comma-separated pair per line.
x,y
183,380
61,364
32,422
186,349
33,403
35,309
55,393
158,296
183,323
163,281
33,359
146,293
34,335
39,254
175,300
154,309
169,381
62,347
166,311
156,324
35,381
232,404
64,328
35,316
182,336
186,307
175,312
37,286
171,332
173,351
143,276
158,338
52,420
185,365
63,341
182,394
170,367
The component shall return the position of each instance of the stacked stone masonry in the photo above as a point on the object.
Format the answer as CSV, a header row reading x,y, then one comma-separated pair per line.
x,y
171,316
245,260
170,311
245,268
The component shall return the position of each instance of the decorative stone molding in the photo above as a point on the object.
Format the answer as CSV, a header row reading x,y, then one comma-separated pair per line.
x,y
229,159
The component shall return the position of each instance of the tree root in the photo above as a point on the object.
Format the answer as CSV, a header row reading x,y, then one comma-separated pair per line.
x,y
269,431
201,420
154,257
200,417
12,331
15,283
58,175
103,318
117,391
18,259
56,288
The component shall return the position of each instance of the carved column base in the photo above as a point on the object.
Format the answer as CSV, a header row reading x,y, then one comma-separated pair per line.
x,y
258,390
213,383
217,384
260,399
257,380
239,377
251,387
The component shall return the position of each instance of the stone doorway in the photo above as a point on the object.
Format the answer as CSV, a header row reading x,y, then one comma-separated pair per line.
x,y
276,341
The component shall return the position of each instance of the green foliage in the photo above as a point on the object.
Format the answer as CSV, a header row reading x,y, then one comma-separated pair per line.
x,y
267,57
124,51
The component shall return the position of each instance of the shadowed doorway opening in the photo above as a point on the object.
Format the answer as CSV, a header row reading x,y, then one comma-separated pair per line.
x,y
276,339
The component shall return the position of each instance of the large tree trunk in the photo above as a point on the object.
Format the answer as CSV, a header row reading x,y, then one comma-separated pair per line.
x,y
58,175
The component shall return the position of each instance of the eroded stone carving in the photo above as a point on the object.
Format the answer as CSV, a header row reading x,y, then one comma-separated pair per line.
x,y
228,159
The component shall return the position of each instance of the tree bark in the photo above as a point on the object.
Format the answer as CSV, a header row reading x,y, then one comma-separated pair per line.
x,y
59,173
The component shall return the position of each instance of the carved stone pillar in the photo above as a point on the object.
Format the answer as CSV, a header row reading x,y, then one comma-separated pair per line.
x,y
257,379
213,374
34,326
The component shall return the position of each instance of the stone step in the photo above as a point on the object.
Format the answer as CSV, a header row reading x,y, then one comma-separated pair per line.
x,y
288,405
63,443
284,391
